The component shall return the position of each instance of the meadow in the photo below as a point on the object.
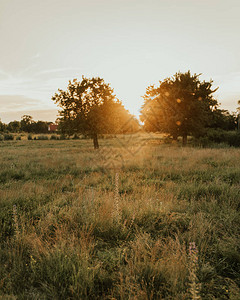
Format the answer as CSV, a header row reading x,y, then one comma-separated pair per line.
x,y
136,219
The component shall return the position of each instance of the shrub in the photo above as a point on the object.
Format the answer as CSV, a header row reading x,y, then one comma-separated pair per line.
x,y
18,138
62,137
216,135
8,137
1,137
30,137
167,140
54,137
233,138
219,136
42,137
75,137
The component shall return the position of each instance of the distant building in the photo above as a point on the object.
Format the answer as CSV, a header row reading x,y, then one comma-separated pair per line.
x,y
53,127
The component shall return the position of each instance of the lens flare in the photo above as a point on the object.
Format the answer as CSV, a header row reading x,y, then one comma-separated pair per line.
x,y
178,123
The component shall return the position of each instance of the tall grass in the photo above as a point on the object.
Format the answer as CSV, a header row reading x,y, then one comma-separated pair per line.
x,y
74,226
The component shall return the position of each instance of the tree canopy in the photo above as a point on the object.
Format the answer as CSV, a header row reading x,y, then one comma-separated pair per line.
x,y
181,106
26,123
91,108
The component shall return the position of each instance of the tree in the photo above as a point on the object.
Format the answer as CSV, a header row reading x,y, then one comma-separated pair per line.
x,y
39,127
238,108
181,106
3,126
223,119
238,116
26,123
90,107
14,126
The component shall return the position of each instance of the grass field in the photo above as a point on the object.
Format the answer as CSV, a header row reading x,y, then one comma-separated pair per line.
x,y
135,220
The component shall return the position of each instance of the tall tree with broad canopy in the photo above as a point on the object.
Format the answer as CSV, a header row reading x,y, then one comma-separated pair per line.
x,y
180,106
90,107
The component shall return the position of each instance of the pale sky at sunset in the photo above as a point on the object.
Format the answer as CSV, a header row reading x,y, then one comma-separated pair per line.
x,y
129,43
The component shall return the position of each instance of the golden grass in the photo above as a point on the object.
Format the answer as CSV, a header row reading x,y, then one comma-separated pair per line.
x,y
117,223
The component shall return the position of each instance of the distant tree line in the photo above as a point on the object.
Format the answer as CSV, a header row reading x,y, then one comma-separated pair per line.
x,y
180,106
27,124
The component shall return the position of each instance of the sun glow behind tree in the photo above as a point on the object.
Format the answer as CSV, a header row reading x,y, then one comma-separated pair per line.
x,y
91,108
181,106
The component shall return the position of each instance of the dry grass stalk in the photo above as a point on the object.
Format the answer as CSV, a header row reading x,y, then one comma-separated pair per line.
x,y
116,198
15,222
194,286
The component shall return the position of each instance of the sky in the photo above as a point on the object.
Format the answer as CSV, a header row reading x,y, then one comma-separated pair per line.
x,y
130,43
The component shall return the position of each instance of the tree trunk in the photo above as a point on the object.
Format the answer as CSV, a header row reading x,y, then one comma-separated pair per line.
x,y
184,139
95,141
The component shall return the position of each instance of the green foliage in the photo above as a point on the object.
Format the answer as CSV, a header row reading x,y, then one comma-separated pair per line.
x,y
63,137
14,126
222,119
42,137
26,123
8,137
3,127
39,127
89,107
75,137
180,106
218,136
30,137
